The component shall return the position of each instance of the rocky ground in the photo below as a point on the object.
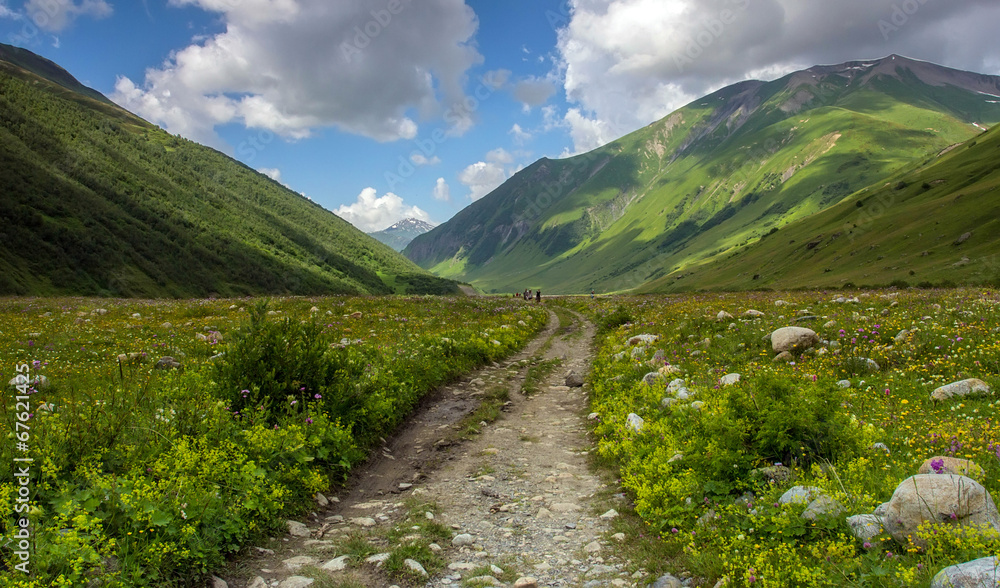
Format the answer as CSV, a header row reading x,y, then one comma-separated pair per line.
x,y
514,504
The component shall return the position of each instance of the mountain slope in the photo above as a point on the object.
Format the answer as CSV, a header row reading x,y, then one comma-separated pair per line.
x,y
937,223
96,201
717,174
399,235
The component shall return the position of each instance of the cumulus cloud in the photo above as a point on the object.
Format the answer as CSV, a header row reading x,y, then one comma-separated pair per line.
x,y
519,135
481,178
56,15
6,12
373,213
442,192
293,66
421,160
271,172
499,155
626,63
532,92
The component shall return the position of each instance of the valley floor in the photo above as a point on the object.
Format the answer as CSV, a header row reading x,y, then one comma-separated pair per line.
x,y
515,502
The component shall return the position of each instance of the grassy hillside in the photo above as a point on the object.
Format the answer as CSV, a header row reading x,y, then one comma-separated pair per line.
x,y
717,174
937,222
95,201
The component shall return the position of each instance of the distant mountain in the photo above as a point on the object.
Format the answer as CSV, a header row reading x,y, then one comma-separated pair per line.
x,y
96,201
936,224
399,235
710,178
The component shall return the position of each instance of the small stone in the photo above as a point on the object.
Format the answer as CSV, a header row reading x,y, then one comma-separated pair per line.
x,y
667,581
296,581
730,379
405,486
414,566
297,529
167,363
321,500
378,559
257,582
610,515
635,422
294,563
592,547
822,506
463,539
619,537
218,582
969,387
565,507
783,357
574,380
865,527
526,582
338,564
800,494
363,522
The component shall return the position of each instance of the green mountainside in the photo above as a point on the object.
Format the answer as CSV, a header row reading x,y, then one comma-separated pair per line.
x,y
714,176
96,201
937,223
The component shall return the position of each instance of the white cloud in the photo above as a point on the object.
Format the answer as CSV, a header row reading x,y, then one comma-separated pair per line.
x,y
56,15
499,155
519,135
271,172
532,92
482,178
442,192
626,63
294,66
7,12
422,160
373,213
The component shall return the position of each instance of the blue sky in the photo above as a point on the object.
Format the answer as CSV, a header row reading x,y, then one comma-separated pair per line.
x,y
382,109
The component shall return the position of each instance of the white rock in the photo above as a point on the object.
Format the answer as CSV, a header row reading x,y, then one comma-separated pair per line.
x,y
592,547
257,582
730,379
463,539
218,582
294,563
962,388
793,339
296,581
610,515
297,529
378,559
415,566
971,574
565,507
635,422
321,500
865,527
363,521
924,498
800,494
526,582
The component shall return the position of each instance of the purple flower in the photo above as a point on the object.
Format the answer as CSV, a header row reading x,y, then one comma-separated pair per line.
x,y
309,421
867,545
937,465
317,396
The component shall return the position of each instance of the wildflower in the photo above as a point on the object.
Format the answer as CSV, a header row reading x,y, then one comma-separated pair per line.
x,y
867,545
317,396
937,465
309,421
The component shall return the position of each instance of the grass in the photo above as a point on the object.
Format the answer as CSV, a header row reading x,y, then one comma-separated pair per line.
x,y
537,374
688,463
641,208
489,410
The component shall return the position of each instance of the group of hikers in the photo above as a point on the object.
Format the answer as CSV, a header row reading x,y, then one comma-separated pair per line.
x,y
527,295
